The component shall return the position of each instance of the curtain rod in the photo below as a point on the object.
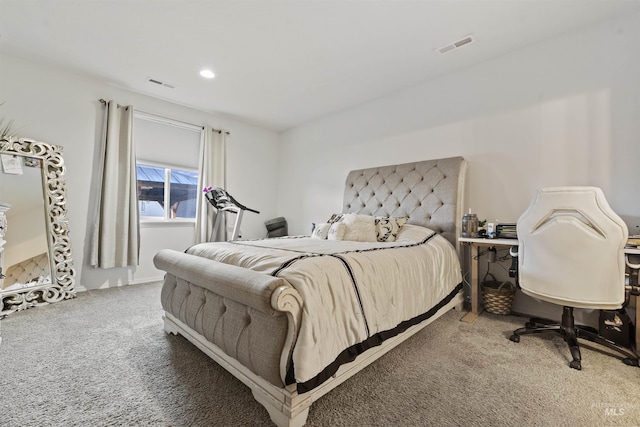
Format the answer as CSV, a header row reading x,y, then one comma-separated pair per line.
x,y
104,102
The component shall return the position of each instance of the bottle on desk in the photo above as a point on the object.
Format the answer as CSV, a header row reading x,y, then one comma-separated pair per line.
x,y
469,225
491,232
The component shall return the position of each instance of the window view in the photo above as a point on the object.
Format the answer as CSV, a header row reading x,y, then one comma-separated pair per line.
x,y
166,193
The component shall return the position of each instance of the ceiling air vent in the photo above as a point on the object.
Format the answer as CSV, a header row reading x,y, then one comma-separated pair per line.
x,y
456,45
160,83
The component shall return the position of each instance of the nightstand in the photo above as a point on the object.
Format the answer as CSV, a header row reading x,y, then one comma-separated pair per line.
x,y
471,268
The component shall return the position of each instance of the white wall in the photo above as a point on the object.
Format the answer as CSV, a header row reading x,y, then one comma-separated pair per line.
x,y
62,108
562,112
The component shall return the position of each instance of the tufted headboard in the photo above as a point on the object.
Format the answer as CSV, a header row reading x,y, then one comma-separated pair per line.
x,y
430,193
28,270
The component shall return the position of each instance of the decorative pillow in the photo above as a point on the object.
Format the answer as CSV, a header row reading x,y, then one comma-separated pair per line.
x,y
335,218
359,228
336,231
321,231
387,228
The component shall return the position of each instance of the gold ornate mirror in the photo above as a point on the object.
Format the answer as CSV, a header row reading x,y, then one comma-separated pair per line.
x,y
41,270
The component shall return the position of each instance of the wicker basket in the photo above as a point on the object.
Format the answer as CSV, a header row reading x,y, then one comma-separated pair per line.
x,y
497,296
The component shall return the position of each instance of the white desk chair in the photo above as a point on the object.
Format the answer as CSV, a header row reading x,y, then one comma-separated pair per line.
x,y
571,253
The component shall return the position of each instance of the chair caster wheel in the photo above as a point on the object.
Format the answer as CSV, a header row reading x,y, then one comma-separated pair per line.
x,y
515,338
576,364
631,362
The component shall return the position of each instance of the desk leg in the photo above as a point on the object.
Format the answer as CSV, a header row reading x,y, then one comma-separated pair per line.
x,y
634,280
471,317
637,324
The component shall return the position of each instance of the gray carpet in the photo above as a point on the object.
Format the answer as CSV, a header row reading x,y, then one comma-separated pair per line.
x,y
103,359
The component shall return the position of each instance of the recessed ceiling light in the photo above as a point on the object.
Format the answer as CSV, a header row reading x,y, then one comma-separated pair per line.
x,y
207,74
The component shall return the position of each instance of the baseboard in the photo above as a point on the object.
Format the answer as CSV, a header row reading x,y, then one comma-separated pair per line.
x,y
80,288
146,280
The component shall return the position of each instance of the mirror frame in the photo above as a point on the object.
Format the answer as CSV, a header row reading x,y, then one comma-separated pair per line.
x,y
62,284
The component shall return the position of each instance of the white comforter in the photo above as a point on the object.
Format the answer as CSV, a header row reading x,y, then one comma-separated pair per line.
x,y
351,290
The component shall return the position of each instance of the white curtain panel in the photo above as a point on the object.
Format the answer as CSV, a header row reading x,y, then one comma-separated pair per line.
x,y
116,232
213,173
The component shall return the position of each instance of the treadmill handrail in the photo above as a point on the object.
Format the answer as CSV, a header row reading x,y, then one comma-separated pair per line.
x,y
219,198
240,205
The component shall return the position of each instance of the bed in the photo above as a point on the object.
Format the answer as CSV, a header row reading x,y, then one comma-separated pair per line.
x,y
294,317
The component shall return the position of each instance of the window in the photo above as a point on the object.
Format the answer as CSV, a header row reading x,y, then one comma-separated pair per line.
x,y
167,153
166,193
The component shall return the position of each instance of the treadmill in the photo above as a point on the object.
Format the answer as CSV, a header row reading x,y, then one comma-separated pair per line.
x,y
224,202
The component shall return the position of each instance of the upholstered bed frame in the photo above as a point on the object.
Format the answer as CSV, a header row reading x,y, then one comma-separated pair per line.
x,y
28,270
256,316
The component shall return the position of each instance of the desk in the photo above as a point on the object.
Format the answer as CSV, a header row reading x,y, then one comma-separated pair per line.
x,y
475,244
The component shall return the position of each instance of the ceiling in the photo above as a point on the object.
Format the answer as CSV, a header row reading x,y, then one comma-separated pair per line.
x,y
280,64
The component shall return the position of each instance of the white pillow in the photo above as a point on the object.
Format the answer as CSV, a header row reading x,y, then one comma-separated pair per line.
x,y
388,227
321,231
359,228
410,233
336,231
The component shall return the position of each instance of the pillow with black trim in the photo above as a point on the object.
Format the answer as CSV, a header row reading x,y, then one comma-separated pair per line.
x,y
388,227
321,231
336,217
